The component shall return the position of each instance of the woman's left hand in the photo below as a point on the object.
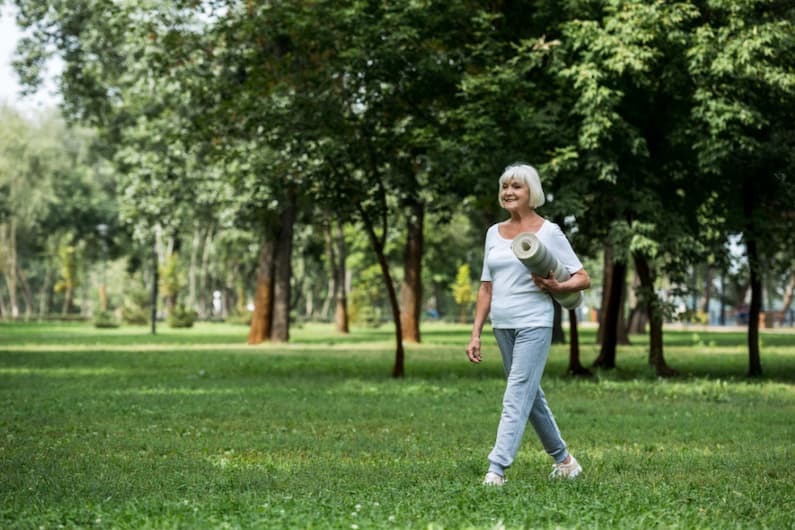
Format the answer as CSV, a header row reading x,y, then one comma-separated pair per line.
x,y
549,284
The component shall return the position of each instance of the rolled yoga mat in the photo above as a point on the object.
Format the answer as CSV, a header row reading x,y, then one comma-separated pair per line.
x,y
535,256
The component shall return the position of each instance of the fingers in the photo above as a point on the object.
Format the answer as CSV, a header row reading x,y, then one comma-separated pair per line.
x,y
473,353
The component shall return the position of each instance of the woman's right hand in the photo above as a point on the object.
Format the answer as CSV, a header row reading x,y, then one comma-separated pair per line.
x,y
473,350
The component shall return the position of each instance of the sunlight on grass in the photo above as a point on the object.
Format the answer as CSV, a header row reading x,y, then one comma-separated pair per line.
x,y
61,372
196,429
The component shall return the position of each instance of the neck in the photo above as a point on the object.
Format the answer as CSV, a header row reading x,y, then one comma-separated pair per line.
x,y
522,216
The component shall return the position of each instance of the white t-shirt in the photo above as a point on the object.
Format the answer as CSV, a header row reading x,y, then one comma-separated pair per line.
x,y
516,301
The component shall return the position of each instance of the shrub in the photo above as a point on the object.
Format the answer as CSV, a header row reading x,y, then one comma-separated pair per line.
x,y
105,319
136,306
243,319
182,317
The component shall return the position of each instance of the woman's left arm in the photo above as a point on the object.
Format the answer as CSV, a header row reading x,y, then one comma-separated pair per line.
x,y
578,281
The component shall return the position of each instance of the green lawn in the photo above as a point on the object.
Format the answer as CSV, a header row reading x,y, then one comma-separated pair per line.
x,y
194,429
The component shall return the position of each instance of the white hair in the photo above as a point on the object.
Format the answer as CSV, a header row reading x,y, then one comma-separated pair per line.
x,y
528,176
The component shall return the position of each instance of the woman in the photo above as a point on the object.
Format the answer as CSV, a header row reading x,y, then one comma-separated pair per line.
x,y
521,316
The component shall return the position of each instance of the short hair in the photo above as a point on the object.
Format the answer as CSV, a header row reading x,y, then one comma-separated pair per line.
x,y
528,176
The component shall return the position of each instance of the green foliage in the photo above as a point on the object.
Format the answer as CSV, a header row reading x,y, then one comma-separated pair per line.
x,y
181,317
136,306
105,319
172,278
105,429
462,290
69,279
367,297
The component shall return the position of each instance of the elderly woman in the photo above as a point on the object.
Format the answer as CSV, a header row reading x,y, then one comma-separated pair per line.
x,y
521,316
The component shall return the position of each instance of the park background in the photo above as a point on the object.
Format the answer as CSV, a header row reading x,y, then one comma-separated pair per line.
x,y
288,175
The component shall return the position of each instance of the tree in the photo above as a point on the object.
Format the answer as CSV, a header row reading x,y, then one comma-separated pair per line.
x,y
743,115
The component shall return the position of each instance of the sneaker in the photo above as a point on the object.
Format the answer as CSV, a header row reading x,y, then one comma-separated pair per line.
x,y
493,479
570,470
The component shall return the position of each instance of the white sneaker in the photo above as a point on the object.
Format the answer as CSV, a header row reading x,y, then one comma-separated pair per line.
x,y
493,479
570,470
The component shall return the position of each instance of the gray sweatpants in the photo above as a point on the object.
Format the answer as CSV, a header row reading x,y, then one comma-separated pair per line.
x,y
524,354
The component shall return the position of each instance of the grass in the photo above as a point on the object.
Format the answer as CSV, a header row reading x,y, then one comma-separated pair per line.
x,y
194,429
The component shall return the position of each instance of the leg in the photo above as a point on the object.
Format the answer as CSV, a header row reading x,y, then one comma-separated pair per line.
x,y
524,354
544,424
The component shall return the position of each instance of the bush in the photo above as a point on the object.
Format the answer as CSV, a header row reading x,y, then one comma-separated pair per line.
x,y
105,319
182,317
242,319
136,309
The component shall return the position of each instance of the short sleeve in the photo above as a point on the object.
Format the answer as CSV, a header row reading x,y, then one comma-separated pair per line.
x,y
562,250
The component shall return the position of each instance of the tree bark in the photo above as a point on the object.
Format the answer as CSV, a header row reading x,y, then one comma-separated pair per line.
x,y
707,290
754,357
331,294
341,292
3,308
575,366
45,292
398,370
622,337
261,319
655,316
636,324
155,285
282,275
335,247
194,258
610,318
607,277
11,268
411,289
558,337
23,281
203,273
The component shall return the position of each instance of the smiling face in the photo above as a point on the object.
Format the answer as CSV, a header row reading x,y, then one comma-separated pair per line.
x,y
515,195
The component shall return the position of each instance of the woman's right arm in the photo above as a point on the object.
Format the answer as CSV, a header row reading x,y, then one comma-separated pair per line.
x,y
482,307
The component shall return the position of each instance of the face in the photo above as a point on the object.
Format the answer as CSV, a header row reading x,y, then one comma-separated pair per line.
x,y
515,195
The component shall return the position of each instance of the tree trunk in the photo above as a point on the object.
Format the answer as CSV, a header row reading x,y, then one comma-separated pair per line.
x,y
411,289
67,300
341,295
45,292
194,258
3,308
609,277
282,275
622,336
335,246
204,273
652,303
636,323
575,366
11,268
378,246
25,293
261,319
558,337
707,290
754,357
331,294
723,298
754,266
155,285
610,318
638,318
